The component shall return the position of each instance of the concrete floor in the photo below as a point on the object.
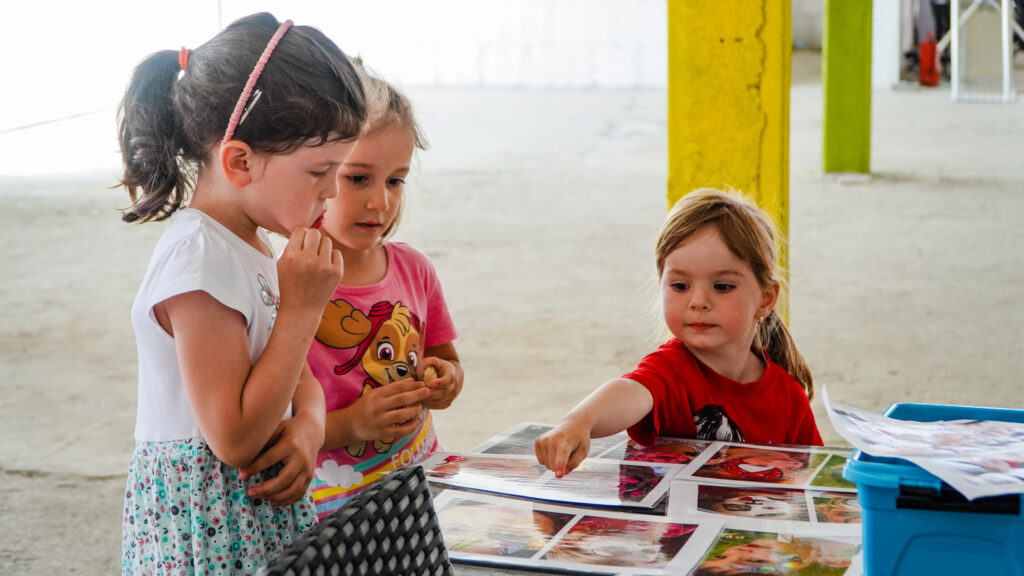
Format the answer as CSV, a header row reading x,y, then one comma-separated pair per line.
x,y
539,209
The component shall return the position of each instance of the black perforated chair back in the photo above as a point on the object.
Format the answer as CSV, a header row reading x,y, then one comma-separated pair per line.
x,y
389,529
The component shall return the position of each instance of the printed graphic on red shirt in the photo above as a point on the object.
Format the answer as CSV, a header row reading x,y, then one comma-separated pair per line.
x,y
713,423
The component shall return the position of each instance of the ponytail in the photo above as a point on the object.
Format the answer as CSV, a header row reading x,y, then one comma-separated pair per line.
x,y
773,336
174,114
150,134
750,235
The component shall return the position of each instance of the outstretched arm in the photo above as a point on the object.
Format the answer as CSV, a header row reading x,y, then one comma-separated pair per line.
x,y
615,406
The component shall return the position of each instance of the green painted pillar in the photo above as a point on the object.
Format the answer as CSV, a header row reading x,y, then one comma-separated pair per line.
x,y
729,66
846,84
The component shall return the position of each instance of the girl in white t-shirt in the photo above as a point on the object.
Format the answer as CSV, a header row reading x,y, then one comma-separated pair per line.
x,y
243,134
386,321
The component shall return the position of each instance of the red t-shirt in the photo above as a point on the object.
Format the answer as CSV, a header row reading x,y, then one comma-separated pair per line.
x,y
693,401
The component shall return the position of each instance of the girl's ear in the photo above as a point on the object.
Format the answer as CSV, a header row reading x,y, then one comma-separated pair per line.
x,y
239,162
769,297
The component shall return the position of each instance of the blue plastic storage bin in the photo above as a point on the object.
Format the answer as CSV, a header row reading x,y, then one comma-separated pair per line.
x,y
914,524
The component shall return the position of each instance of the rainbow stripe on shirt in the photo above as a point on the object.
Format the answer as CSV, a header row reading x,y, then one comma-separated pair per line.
x,y
340,476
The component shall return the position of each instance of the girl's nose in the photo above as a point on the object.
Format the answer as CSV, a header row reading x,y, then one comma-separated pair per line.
x,y
378,199
332,190
699,301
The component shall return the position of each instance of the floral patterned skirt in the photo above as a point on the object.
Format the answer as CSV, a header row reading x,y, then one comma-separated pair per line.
x,y
187,513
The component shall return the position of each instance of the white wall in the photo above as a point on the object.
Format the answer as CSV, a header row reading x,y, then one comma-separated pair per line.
x,y
521,43
886,51
67,58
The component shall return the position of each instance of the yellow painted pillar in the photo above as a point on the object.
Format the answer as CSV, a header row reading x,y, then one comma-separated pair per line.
x,y
728,101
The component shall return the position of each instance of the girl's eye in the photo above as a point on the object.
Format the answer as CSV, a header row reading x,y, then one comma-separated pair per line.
x,y
724,286
396,182
356,178
680,286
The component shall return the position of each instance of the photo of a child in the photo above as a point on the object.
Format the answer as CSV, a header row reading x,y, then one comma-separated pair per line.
x,y
753,464
501,530
620,542
774,504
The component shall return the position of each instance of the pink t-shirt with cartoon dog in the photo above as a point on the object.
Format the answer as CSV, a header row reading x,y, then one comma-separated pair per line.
x,y
371,336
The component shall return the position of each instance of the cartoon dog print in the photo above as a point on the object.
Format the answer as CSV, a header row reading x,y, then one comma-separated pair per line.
x,y
387,343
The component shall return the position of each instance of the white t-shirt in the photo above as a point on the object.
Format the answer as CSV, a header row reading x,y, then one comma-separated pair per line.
x,y
195,253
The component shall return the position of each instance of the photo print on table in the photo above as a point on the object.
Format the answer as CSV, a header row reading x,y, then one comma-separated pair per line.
x,y
490,529
740,551
665,450
520,438
635,483
620,542
595,482
837,507
789,466
498,528
763,502
831,474
510,474
767,503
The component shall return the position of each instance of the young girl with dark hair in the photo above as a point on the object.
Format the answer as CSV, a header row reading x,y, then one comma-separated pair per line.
x,y
242,135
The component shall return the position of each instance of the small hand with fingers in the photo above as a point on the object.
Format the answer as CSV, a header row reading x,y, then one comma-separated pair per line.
x,y
390,411
308,270
563,448
439,376
294,445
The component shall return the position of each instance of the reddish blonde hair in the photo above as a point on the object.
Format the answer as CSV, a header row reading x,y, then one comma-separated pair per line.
x,y
751,236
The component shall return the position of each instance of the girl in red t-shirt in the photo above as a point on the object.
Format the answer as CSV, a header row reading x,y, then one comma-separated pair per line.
x,y
731,371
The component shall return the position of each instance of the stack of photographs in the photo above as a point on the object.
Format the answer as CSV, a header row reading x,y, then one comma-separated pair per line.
x,y
798,484
488,529
732,508
624,485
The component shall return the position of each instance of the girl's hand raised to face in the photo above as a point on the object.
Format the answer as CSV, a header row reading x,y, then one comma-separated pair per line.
x,y
308,271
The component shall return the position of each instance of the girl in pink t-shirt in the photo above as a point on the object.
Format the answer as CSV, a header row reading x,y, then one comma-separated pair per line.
x,y
384,352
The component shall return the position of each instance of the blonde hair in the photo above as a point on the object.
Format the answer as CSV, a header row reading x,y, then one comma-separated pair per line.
x,y
751,237
386,106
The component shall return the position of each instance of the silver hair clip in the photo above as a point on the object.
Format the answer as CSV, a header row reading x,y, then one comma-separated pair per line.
x,y
255,96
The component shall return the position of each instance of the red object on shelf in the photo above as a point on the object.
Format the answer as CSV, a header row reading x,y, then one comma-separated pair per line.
x,y
928,69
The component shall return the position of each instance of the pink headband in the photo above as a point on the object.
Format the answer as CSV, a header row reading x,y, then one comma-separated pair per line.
x,y
237,115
